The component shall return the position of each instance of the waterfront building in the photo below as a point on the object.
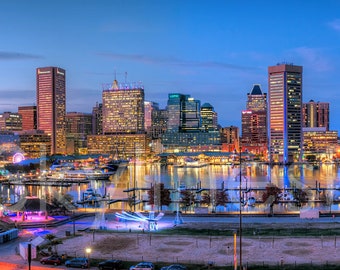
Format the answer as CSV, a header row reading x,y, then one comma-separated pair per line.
x,y
254,122
51,106
28,117
316,114
319,144
123,109
121,146
230,138
285,113
97,119
10,121
191,142
35,143
78,127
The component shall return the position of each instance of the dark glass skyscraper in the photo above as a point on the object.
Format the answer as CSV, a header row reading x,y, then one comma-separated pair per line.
x,y
51,106
285,112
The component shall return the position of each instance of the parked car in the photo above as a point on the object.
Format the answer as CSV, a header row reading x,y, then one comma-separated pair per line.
x,y
53,259
143,266
110,264
174,267
77,262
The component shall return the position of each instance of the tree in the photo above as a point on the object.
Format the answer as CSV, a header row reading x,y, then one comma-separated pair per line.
x,y
221,198
205,198
187,198
271,196
158,195
53,242
300,196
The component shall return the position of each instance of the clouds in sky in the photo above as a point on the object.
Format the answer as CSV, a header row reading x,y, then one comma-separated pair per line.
x,y
335,24
314,58
144,59
18,56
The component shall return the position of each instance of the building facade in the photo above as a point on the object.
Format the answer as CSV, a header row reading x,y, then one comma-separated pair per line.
x,y
208,118
51,106
285,113
10,121
123,109
28,116
35,143
319,144
316,114
78,127
254,122
97,119
120,146
230,138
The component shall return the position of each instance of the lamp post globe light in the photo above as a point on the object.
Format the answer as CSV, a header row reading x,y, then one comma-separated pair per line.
x,y
88,252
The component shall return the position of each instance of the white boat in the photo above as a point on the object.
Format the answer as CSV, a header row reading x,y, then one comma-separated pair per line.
x,y
90,174
191,163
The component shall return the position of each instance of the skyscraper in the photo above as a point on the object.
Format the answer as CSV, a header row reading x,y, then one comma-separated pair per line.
x,y
254,122
123,109
184,113
316,114
209,117
285,112
51,106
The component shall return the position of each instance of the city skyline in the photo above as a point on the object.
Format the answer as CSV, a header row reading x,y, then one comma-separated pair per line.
x,y
214,51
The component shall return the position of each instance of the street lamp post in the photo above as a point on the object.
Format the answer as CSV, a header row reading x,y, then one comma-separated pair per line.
x,y
88,251
240,214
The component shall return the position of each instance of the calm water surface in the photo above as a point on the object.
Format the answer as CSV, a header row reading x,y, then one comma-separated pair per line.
x,y
253,176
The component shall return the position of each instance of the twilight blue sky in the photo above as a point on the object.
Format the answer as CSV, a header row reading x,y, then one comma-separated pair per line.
x,y
212,50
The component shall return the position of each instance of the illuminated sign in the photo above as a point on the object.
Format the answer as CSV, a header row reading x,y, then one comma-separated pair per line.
x,y
43,72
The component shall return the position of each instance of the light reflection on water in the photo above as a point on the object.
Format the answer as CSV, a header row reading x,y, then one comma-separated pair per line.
x,y
253,176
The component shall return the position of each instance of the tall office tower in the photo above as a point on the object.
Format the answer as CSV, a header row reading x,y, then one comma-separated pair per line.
x,y
97,119
316,114
28,116
10,122
184,113
174,107
285,113
123,109
208,117
257,101
190,115
149,108
254,122
51,106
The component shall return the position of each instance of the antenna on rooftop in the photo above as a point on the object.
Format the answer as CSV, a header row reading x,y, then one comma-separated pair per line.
x,y
125,76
